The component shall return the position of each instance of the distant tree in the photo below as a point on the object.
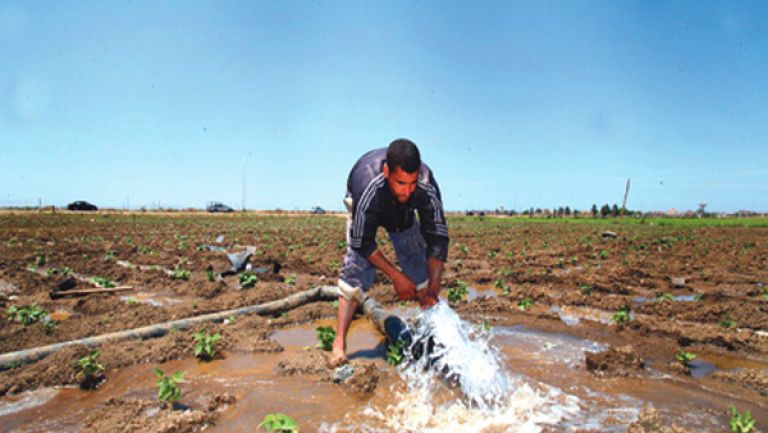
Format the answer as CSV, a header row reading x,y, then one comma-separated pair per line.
x,y
594,211
567,211
605,210
560,211
538,211
615,210
576,213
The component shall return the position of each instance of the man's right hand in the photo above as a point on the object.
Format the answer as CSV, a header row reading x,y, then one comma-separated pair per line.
x,y
404,287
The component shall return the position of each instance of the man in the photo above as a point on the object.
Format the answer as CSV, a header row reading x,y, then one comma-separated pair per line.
x,y
387,187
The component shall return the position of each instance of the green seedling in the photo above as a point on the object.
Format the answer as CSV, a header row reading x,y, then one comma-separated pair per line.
x,y
585,289
291,280
180,274
525,304
340,245
211,275
31,267
67,271
144,250
248,280
40,260
51,272
457,292
661,297
132,301
88,366
395,354
765,293
741,423
110,256
697,297
26,314
684,357
48,325
464,249
325,337
279,423
621,316
103,282
168,386
205,345
727,323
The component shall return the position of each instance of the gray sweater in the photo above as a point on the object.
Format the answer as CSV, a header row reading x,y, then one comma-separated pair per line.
x,y
374,206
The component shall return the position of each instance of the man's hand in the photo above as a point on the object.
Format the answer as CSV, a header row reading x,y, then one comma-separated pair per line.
x,y
426,300
404,287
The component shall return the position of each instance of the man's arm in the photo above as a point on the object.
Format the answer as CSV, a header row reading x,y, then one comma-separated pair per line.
x,y
429,296
405,288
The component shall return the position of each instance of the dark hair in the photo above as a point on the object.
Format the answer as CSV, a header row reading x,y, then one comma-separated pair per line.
x,y
403,153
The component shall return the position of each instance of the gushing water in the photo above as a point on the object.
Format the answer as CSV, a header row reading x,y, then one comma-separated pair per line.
x,y
460,384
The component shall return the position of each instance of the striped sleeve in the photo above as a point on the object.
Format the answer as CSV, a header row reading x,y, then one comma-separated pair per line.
x,y
432,220
362,231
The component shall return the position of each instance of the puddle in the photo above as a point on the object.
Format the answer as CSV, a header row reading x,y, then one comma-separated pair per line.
x,y
474,293
549,390
572,315
153,299
639,300
26,400
363,340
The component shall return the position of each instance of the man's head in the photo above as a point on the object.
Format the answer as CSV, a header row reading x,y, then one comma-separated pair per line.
x,y
402,168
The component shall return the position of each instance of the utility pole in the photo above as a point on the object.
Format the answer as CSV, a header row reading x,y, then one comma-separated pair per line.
x,y
624,203
243,202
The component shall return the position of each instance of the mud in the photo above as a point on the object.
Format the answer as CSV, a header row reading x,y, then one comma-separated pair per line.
x,y
575,279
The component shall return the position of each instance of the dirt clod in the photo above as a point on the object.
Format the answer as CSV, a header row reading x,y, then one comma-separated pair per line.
x,y
649,421
618,361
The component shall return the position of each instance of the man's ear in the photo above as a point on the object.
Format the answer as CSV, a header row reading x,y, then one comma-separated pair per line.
x,y
385,170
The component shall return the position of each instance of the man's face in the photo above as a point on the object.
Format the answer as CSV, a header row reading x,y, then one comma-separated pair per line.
x,y
401,184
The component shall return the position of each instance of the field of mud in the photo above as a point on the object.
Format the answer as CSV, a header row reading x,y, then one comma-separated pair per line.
x,y
590,315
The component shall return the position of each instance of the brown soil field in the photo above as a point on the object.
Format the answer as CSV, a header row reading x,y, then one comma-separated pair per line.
x,y
700,288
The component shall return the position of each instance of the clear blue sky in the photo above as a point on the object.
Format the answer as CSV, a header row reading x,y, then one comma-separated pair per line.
x,y
514,104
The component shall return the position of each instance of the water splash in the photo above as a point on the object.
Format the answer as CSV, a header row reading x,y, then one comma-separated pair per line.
x,y
461,385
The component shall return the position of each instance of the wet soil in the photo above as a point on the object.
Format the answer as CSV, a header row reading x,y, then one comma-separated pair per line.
x,y
575,279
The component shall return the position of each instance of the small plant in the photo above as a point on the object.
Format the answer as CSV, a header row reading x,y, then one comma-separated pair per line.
x,y
248,280
279,423
395,354
103,282
205,345
89,370
210,274
110,256
525,304
661,297
51,272
67,271
291,280
48,325
765,293
585,289
464,249
457,292
40,260
621,316
180,274
26,314
168,386
603,254
684,357
131,301
325,337
741,423
727,322
142,249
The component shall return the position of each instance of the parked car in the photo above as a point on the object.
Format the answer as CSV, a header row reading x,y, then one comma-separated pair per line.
x,y
81,205
219,207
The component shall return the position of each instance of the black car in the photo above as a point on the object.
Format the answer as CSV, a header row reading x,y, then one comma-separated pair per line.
x,y
219,207
81,205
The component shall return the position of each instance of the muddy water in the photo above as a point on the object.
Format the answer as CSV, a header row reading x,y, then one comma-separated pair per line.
x,y
547,367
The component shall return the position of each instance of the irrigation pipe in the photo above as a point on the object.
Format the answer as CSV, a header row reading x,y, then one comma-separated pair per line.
x,y
382,320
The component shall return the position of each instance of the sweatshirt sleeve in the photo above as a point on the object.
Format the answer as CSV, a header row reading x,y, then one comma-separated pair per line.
x,y
432,221
362,235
